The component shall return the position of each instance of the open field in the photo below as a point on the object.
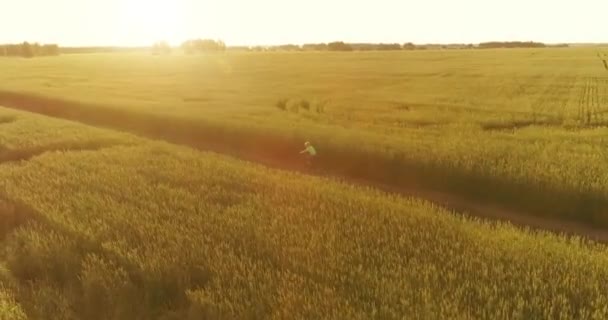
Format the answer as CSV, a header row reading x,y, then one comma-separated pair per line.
x,y
521,128
130,228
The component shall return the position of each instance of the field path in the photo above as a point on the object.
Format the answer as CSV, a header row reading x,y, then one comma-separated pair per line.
x,y
282,155
466,207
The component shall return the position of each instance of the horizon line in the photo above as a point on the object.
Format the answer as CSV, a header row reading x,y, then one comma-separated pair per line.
x,y
305,43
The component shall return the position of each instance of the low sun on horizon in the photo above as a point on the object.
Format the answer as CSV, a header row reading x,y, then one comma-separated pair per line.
x,y
275,22
148,21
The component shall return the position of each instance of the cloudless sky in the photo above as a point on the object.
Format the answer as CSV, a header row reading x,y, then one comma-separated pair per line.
x,y
248,22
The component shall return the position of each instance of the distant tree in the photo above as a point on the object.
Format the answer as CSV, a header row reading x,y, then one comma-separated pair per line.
x,y
510,44
339,46
315,46
409,46
375,46
432,46
288,47
362,46
14,50
208,45
388,46
50,50
26,50
36,49
161,47
221,45
203,45
189,47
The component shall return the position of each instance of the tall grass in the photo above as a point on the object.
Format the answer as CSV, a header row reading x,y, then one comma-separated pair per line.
x,y
502,126
150,230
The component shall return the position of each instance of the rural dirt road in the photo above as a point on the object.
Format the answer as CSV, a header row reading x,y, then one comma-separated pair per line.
x,y
470,208
157,128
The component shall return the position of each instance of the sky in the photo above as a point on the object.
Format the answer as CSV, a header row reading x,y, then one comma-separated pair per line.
x,y
267,22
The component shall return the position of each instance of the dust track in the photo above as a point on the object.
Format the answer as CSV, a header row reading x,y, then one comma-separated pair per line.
x,y
279,154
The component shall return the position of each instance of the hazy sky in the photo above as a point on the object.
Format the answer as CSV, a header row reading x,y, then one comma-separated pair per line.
x,y
137,22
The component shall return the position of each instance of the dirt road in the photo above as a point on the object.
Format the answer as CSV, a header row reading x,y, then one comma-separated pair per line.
x,y
284,156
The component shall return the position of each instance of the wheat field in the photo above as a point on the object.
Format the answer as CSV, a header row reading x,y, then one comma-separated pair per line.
x,y
129,228
112,223
523,128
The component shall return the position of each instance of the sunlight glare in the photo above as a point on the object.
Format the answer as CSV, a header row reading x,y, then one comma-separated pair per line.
x,y
148,21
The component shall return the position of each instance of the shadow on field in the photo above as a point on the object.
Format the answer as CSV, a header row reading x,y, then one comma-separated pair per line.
x,y
15,155
192,132
13,216
7,119
393,171
48,260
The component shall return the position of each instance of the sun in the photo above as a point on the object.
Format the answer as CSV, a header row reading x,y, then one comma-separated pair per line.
x,y
148,21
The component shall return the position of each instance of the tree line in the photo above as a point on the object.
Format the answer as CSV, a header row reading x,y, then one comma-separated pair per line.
x,y
342,46
28,50
209,45
195,46
101,49
511,44
203,45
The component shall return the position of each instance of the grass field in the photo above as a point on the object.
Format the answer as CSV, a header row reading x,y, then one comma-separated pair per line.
x,y
111,226
523,128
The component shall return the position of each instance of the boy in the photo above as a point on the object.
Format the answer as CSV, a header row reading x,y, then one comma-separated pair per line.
x,y
310,152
